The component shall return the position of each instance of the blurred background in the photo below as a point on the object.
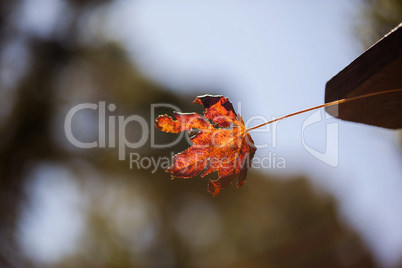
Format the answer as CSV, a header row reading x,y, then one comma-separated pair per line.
x,y
63,206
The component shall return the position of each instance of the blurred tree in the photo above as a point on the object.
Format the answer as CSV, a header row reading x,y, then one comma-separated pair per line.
x,y
378,18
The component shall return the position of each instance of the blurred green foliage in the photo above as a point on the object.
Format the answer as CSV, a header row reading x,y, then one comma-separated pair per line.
x,y
378,18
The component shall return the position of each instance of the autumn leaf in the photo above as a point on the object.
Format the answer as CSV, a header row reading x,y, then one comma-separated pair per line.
x,y
222,143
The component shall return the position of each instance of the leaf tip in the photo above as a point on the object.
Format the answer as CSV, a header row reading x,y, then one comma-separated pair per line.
x,y
197,101
213,188
166,124
240,183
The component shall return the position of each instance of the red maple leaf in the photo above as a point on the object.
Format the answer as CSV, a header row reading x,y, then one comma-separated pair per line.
x,y
222,143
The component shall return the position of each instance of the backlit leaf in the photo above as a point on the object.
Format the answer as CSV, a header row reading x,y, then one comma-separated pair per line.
x,y
222,143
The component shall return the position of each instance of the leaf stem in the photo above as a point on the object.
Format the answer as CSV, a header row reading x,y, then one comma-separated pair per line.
x,y
332,103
